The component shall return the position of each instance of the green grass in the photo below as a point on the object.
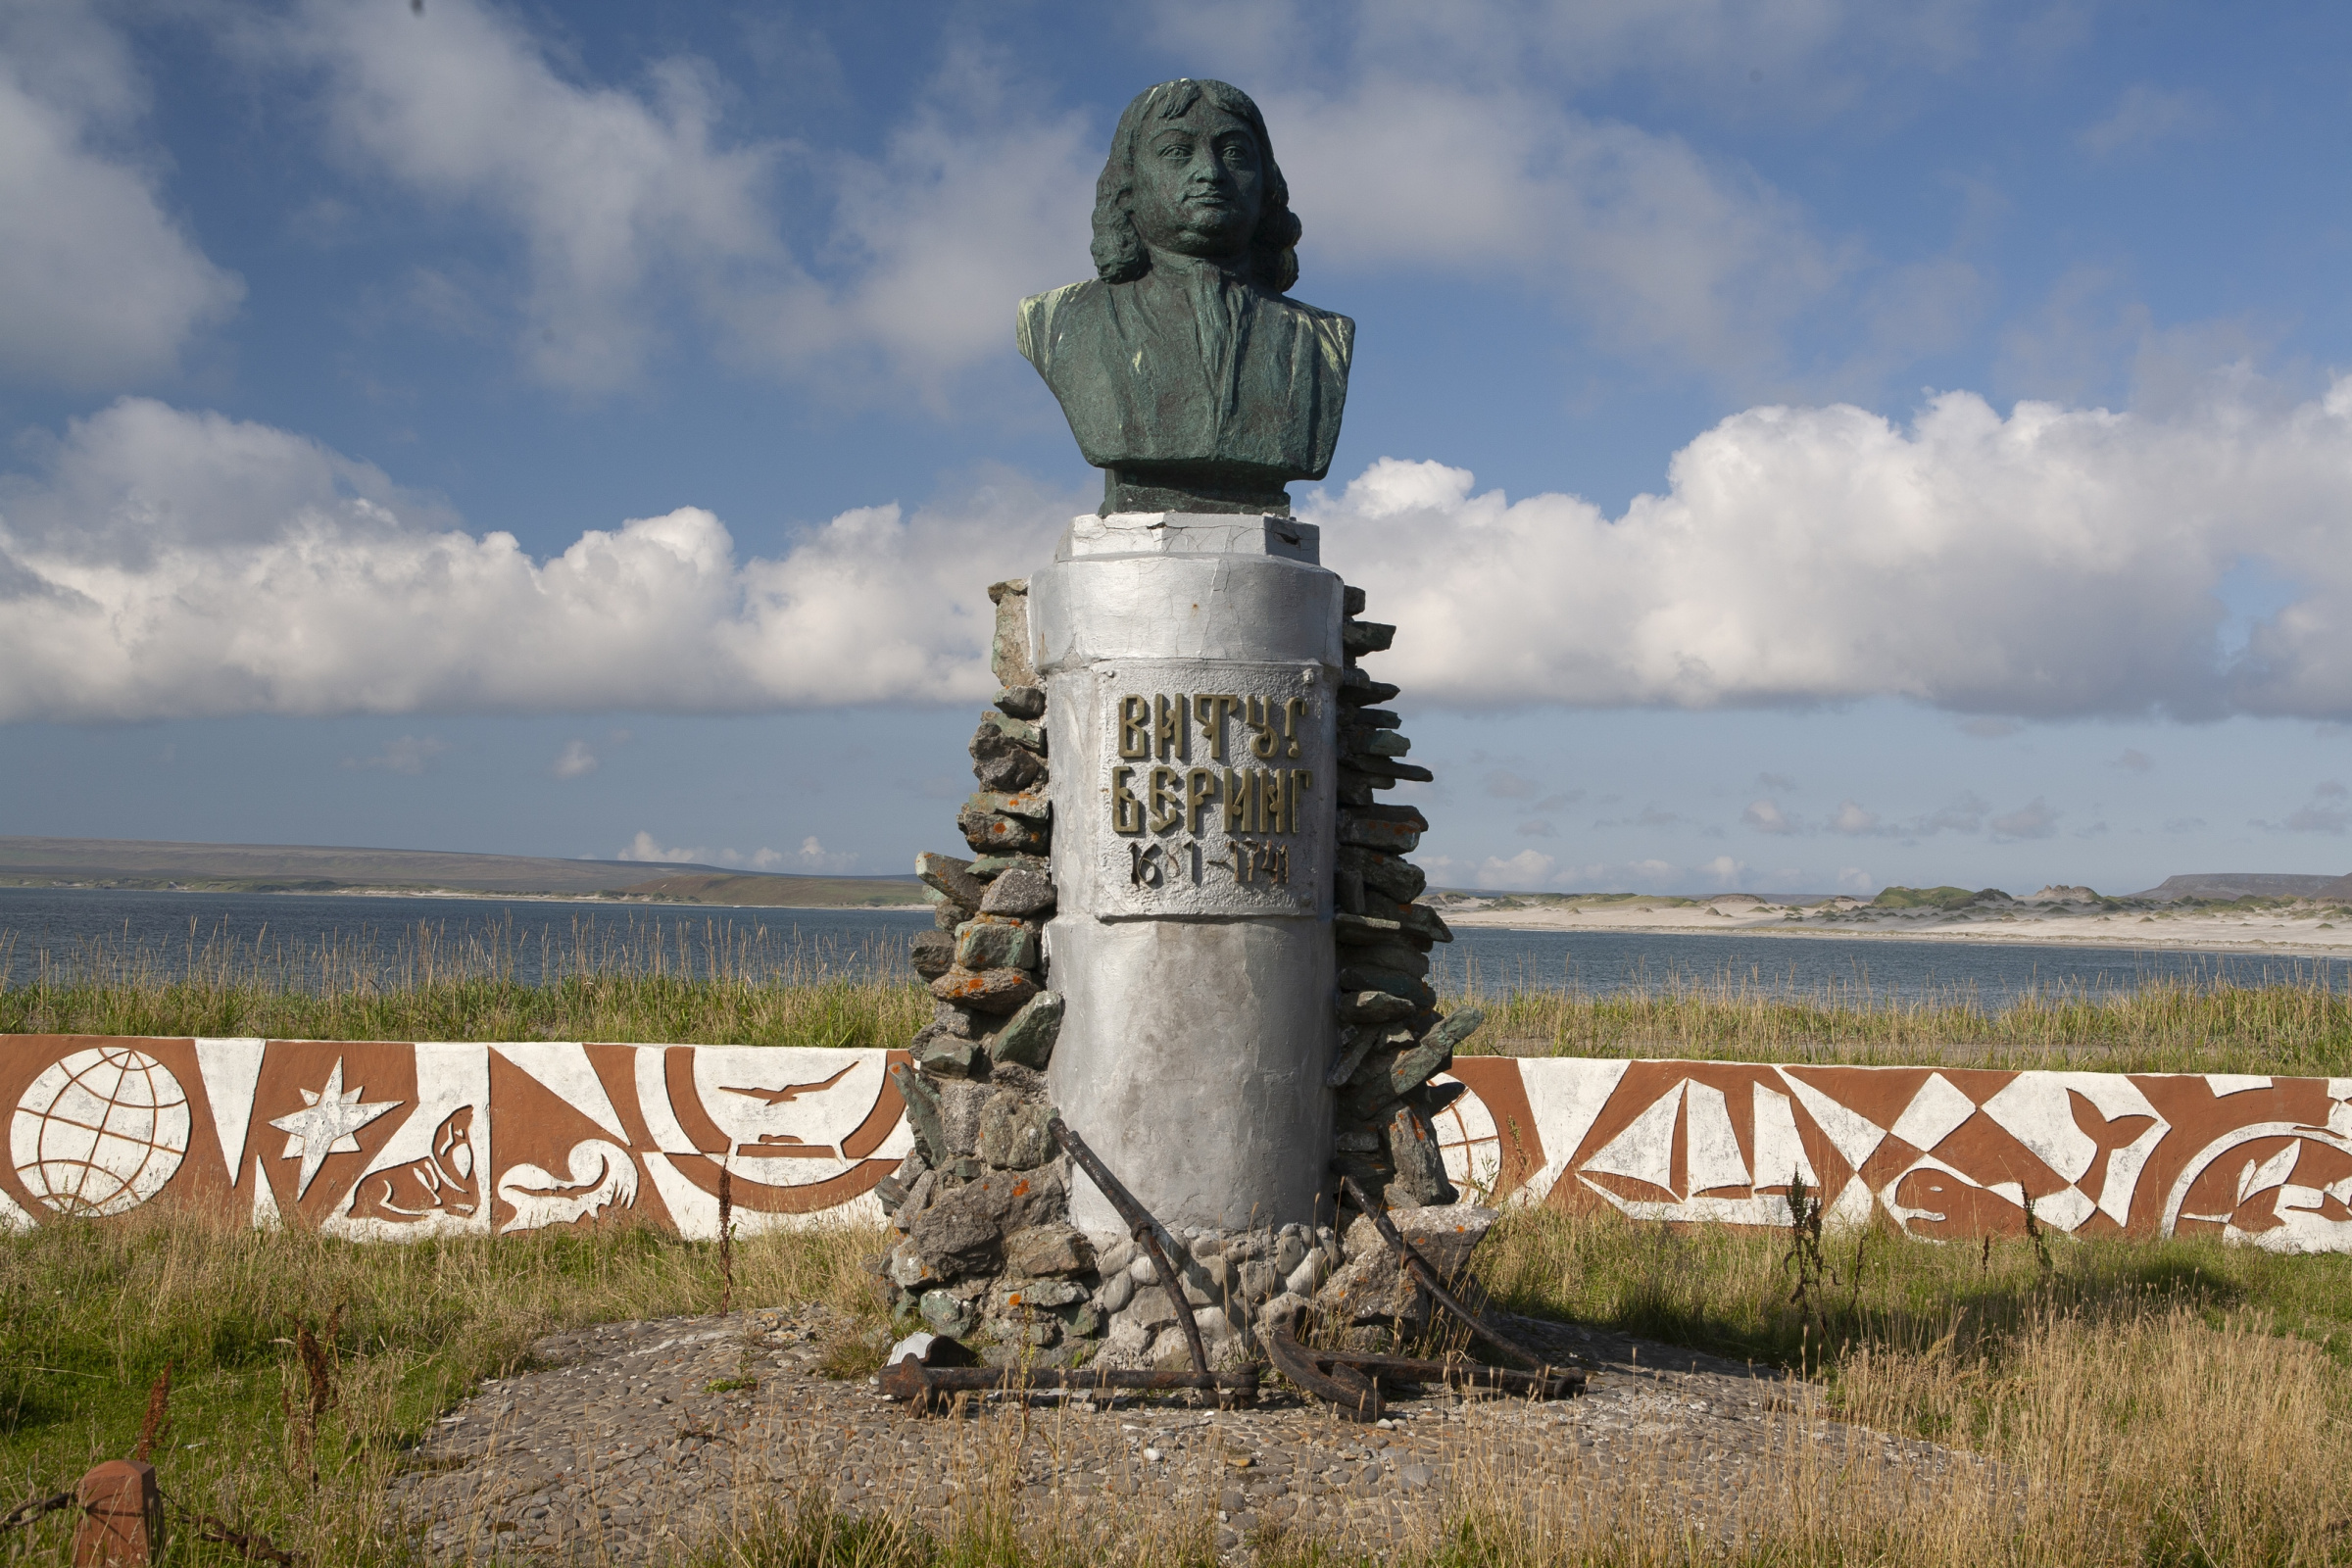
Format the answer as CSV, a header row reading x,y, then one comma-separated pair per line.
x,y
688,982
2126,1378
2171,1402
715,982
2296,1027
1732,1293
92,1312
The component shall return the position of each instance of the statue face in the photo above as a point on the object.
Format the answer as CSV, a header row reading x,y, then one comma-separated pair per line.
x,y
1199,182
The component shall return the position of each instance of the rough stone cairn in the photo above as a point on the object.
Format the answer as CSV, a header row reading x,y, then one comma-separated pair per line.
x,y
986,1252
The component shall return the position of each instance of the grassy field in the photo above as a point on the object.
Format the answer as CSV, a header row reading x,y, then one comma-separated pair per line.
x,y
721,982
2292,1028
2149,1403
687,982
2158,1402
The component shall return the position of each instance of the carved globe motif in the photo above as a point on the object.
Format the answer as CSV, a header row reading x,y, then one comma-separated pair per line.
x,y
99,1131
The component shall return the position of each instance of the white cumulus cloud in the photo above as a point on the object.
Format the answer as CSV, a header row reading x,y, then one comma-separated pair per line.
x,y
639,212
169,563
575,761
815,856
2049,563
2052,562
99,284
1636,231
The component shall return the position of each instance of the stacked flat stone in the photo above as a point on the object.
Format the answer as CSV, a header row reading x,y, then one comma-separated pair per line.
x,y
1237,1284
1391,1039
986,1251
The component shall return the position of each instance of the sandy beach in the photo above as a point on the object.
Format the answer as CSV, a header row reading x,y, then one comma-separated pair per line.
x,y
2322,930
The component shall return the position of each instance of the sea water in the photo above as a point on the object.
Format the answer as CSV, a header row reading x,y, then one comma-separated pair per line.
x,y
162,934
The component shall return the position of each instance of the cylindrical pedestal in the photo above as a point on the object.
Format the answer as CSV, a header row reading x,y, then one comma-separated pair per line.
x,y
1192,666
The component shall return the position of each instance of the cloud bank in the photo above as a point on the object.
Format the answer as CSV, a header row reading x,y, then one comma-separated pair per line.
x,y
180,565
2052,564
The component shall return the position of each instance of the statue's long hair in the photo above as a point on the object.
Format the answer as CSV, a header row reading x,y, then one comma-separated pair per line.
x,y
1118,250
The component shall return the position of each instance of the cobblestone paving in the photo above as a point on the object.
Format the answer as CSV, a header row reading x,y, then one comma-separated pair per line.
x,y
644,1441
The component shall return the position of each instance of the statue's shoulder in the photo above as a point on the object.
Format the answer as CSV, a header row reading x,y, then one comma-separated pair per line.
x,y
1033,321
1335,334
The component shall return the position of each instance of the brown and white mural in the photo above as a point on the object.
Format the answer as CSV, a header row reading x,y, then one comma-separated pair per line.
x,y
385,1140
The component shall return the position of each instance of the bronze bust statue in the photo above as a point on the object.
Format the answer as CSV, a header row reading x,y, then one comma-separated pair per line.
x,y
1188,377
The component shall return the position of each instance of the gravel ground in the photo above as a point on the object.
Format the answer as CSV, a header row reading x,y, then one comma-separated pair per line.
x,y
642,1442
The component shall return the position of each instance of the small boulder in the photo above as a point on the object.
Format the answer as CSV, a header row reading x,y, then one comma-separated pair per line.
x,y
1372,1289
1373,1007
1023,895
955,1237
1027,1039
948,1055
1043,1250
994,832
1009,652
1419,1164
994,942
945,1315
923,1114
951,878
1012,1135
996,991
1003,767
931,954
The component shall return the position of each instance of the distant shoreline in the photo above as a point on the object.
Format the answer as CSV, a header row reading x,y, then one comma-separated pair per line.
x,y
600,900
2285,933
1950,938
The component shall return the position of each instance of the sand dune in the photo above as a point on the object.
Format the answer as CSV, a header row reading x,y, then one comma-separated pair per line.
x,y
2252,925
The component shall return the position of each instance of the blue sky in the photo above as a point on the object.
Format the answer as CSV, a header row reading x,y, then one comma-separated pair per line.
x,y
1805,445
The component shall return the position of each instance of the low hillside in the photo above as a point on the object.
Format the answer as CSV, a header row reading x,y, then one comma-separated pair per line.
x,y
316,869
794,892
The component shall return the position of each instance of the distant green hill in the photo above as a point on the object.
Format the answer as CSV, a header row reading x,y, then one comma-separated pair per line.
x,y
306,869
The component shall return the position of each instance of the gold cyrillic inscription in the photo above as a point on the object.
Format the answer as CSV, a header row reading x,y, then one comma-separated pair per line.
x,y
1135,730
1200,793
1166,796
1126,811
1185,806
1174,723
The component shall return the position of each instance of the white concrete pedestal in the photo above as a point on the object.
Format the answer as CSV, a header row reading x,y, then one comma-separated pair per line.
x,y
1192,665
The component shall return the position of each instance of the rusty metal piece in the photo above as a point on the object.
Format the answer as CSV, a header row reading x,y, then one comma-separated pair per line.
x,y
1352,1382
121,1516
925,1386
1426,1277
31,1508
253,1546
1551,1383
1143,1227
1355,1395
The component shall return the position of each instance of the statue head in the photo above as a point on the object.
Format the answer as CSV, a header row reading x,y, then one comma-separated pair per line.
x,y
1192,171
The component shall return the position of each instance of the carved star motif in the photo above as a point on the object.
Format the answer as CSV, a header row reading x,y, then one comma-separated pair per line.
x,y
325,1124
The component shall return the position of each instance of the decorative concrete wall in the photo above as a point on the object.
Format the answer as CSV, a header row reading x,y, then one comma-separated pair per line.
x,y
389,1141
385,1140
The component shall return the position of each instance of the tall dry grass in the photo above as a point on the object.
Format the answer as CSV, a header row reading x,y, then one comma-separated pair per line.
x,y
91,1313
2135,1401
2298,1025
2125,1403
688,982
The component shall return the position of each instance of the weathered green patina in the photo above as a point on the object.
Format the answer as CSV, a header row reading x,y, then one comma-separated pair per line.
x,y
1188,374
